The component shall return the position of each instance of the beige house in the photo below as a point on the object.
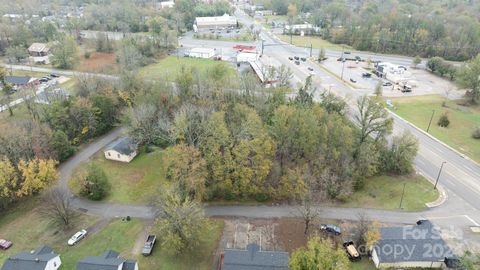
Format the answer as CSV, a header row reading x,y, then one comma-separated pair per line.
x,y
39,53
122,149
415,246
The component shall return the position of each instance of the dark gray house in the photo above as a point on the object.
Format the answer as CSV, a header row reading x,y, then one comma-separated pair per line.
x,y
43,258
20,81
415,246
254,259
110,260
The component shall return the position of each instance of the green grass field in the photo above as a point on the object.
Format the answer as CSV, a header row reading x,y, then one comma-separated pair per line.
x,y
169,67
385,192
136,182
24,226
463,121
364,264
316,42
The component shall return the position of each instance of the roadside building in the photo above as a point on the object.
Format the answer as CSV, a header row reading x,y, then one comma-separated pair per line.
x,y
122,149
253,258
110,260
202,53
417,246
43,258
244,57
218,22
19,82
166,4
39,53
301,29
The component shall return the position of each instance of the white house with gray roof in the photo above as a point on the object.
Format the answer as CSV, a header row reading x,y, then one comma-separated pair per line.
x,y
253,258
110,260
123,149
43,258
416,246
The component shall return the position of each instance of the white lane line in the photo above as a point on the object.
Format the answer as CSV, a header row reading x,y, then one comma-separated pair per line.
x,y
473,221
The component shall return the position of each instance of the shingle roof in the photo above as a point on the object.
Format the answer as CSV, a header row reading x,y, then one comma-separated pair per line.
x,y
255,259
35,260
123,145
38,47
17,80
417,243
109,260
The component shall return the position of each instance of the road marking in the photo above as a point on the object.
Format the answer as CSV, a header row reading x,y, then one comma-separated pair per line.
x,y
473,221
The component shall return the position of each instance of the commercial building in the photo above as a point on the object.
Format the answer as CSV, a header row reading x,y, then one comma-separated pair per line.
x,y
202,53
218,22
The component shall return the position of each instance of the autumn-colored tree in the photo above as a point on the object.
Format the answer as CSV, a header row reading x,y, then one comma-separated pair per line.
x,y
187,169
36,175
319,254
8,182
372,235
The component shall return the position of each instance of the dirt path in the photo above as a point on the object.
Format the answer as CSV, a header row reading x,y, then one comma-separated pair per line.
x,y
147,228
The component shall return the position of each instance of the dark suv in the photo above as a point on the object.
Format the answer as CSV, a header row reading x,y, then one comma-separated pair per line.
x,y
330,228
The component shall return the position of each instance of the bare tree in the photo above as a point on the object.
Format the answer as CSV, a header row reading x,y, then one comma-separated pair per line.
x,y
362,228
57,207
308,212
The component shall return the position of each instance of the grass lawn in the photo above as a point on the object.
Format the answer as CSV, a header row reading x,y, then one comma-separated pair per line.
x,y
316,42
170,66
463,120
385,192
24,226
134,182
27,229
364,264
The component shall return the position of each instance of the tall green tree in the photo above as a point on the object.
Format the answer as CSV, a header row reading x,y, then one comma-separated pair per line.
x,y
65,53
373,119
468,77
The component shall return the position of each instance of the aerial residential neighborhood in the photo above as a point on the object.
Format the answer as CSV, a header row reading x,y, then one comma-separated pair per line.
x,y
239,135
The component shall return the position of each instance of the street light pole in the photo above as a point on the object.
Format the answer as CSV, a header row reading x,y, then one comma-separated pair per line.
x,y
403,193
343,61
431,118
438,176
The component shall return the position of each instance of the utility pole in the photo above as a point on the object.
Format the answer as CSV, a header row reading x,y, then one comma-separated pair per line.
x,y
262,45
343,61
403,193
311,48
431,118
438,176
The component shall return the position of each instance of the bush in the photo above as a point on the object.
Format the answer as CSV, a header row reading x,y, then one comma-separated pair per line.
x,y
87,55
443,121
476,133
95,185
261,197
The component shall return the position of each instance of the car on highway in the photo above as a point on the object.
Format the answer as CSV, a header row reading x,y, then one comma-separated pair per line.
x,y
77,237
387,84
330,228
5,244
341,59
353,80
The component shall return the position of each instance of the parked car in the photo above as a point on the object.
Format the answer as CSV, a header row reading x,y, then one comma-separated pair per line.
x,y
296,58
310,69
303,59
77,237
43,80
149,243
297,62
347,52
358,58
53,75
290,58
366,75
5,244
341,59
387,84
403,67
353,80
330,228
46,78
352,251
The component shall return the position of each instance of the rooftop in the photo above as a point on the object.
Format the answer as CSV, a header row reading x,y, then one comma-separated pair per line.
x,y
225,19
33,260
123,145
18,80
109,260
38,47
255,259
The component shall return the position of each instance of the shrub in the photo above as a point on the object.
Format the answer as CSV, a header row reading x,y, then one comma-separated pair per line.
x,y
443,121
87,55
476,133
95,185
261,197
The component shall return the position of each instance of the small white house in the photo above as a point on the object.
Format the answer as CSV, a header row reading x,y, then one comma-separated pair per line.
x,y
43,258
122,149
243,57
167,4
202,53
